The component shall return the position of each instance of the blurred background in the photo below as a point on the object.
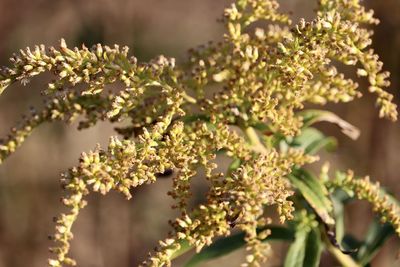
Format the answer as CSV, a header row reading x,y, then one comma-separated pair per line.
x,y
112,231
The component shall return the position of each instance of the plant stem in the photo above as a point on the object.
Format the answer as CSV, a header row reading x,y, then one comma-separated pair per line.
x,y
344,259
189,99
254,140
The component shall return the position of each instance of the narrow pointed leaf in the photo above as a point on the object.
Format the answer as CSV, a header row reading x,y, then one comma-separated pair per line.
x,y
297,251
235,164
339,198
315,194
313,249
312,116
311,141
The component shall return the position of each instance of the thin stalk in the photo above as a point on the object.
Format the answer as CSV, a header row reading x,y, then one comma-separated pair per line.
x,y
189,99
344,259
254,140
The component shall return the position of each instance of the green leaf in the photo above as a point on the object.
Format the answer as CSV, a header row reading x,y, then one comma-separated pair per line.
x,y
314,192
376,236
306,249
235,164
229,244
311,141
312,116
339,198
185,247
297,251
313,249
271,137
197,117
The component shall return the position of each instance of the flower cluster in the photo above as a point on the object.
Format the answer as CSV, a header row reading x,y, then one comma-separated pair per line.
x,y
364,189
241,97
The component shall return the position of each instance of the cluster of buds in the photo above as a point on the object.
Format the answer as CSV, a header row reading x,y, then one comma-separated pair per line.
x,y
364,189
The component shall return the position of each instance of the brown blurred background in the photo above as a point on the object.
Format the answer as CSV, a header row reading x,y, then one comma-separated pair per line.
x,y
112,231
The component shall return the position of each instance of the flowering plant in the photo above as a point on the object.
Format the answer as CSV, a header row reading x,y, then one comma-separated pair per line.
x,y
245,98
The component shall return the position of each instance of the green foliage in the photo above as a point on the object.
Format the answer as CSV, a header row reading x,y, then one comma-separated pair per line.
x,y
244,97
306,248
229,244
314,192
